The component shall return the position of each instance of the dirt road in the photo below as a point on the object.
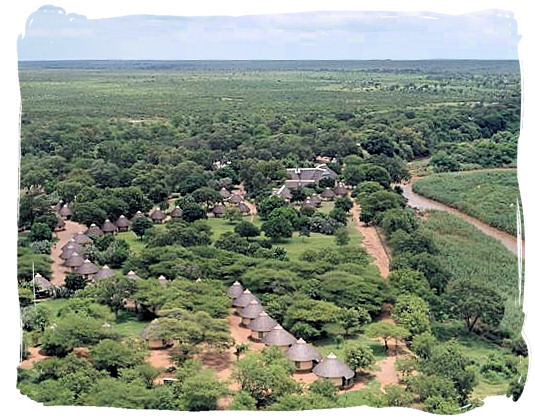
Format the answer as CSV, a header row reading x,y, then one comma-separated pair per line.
x,y
58,270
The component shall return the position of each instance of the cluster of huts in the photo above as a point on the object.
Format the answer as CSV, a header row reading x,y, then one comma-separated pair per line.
x,y
266,330
230,199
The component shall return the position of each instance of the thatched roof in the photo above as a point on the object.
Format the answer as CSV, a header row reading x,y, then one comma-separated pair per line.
x,y
278,336
309,203
340,189
263,323
157,215
235,290
108,226
42,283
138,214
315,199
162,279
65,211
235,198
86,268
331,367
252,310
94,230
301,351
59,205
82,239
225,194
243,208
104,273
71,241
244,299
60,223
70,250
122,222
328,193
132,275
75,260
176,212
219,210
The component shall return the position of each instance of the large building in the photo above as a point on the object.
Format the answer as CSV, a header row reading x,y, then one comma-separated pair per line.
x,y
303,177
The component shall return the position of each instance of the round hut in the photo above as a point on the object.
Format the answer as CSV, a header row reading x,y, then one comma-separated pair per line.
x,y
243,208
104,273
71,241
108,227
303,355
225,194
157,216
218,211
94,230
162,279
150,334
138,214
333,369
123,224
74,261
261,325
340,190
315,199
235,198
243,300
60,224
176,212
250,312
279,337
82,239
69,250
43,287
132,275
65,212
87,269
235,290
328,194
308,204
59,205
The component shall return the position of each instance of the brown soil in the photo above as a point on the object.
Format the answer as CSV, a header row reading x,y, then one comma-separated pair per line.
x,y
372,242
34,354
387,374
59,271
161,359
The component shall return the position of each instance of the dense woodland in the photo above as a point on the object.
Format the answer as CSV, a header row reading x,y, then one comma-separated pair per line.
x,y
114,138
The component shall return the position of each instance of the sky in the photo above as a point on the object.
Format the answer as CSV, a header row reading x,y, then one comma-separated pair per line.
x,y
53,34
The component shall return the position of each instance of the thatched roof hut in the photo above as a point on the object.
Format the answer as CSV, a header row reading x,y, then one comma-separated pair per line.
x,y
243,208
235,290
219,210
132,275
71,241
82,239
244,299
303,352
122,223
252,310
60,224
59,205
332,368
108,227
138,214
74,261
104,273
235,198
176,212
42,284
70,250
157,215
225,194
87,268
65,212
340,190
315,199
308,203
328,194
261,325
278,337
162,279
94,230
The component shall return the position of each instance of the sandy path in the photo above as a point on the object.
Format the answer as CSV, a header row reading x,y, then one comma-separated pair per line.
x,y
34,354
371,242
58,270
160,359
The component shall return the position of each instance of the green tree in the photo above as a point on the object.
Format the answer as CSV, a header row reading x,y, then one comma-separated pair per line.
x,y
358,356
412,312
140,226
40,232
277,228
342,236
386,331
246,229
112,355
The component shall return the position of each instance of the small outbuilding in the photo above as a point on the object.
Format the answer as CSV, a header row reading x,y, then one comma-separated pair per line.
x,y
303,355
328,194
261,325
132,275
104,273
82,239
123,224
65,212
235,198
60,224
250,312
87,269
219,211
68,251
162,279
43,288
74,261
108,227
337,372
176,213
243,208
279,337
243,300
157,216
225,194
138,214
94,230
235,290
315,199
340,190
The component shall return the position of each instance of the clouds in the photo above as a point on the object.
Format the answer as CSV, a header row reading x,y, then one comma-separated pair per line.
x,y
53,34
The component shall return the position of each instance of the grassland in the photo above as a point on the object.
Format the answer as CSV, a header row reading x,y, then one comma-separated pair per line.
x,y
488,195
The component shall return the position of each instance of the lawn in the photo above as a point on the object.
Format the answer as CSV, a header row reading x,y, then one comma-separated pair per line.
x,y
488,195
127,324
